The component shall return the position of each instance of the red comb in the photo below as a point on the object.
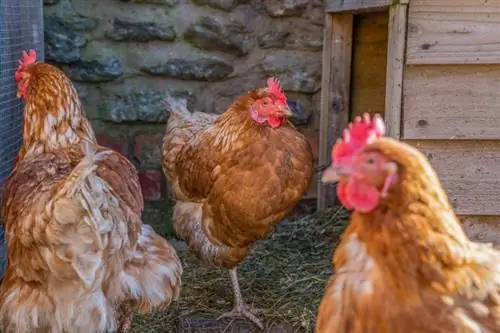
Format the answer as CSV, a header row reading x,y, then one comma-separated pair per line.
x,y
359,133
274,87
27,59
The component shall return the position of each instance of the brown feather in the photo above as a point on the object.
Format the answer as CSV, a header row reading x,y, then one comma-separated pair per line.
x,y
233,179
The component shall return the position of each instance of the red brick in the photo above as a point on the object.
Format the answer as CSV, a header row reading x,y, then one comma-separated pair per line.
x,y
118,143
151,181
147,149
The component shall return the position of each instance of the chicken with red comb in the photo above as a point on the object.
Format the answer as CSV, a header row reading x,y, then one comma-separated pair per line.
x,y
404,264
80,258
235,176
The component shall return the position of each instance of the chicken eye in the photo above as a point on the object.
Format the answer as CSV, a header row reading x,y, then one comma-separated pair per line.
x,y
265,103
370,161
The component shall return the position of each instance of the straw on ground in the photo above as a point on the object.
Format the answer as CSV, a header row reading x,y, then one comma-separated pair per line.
x,y
284,276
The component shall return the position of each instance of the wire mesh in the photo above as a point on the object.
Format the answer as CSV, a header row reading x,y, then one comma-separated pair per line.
x,y
21,28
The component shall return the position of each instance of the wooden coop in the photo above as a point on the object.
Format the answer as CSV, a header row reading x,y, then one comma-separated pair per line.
x,y
432,68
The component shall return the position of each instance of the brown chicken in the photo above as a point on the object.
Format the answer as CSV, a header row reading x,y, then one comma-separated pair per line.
x,y
79,258
404,263
235,176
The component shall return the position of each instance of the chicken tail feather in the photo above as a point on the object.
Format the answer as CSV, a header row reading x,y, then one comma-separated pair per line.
x,y
182,126
78,221
177,106
72,289
86,166
151,279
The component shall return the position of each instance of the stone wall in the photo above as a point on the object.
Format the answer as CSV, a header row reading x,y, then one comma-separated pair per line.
x,y
127,56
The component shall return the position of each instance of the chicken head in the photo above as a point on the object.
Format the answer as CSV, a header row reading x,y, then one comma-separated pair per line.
x,y
22,75
363,176
272,108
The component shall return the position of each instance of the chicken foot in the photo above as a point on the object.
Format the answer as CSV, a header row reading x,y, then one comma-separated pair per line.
x,y
240,308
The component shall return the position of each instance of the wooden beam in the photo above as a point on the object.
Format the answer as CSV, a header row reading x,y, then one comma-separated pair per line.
x,y
357,6
335,86
395,68
326,86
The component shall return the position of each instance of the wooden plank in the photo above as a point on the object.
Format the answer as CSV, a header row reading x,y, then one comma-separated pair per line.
x,y
454,32
395,65
468,171
336,78
452,102
466,6
482,229
356,6
369,63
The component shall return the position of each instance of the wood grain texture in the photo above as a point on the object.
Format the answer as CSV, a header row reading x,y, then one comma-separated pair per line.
x,y
468,171
454,32
369,63
326,96
336,6
337,55
395,65
452,102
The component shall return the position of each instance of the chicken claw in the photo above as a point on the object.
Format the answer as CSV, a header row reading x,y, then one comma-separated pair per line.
x,y
240,309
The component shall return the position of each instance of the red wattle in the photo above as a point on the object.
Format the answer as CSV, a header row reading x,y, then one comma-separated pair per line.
x,y
364,198
342,195
275,121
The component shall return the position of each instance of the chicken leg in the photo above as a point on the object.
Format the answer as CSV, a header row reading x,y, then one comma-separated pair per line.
x,y
240,308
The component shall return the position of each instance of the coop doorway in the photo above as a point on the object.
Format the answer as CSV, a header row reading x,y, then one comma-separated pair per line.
x,y
363,58
369,64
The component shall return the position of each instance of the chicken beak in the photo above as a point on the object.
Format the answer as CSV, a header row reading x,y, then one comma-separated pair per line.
x,y
285,111
333,174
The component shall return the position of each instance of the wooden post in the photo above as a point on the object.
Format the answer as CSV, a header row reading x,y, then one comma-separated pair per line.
x,y
335,85
395,69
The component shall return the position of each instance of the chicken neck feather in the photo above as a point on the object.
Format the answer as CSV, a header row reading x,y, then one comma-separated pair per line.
x,y
54,115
